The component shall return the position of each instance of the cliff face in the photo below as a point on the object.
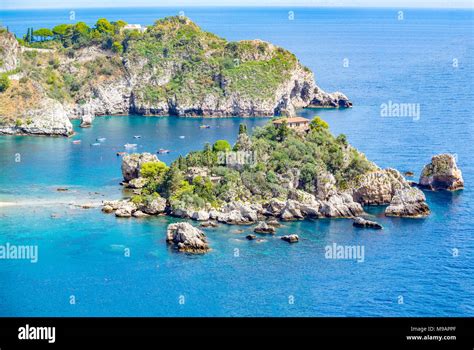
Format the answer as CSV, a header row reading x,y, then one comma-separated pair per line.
x,y
175,68
9,52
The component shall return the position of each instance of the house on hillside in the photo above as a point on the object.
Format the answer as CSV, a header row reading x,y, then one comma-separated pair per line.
x,y
296,123
137,27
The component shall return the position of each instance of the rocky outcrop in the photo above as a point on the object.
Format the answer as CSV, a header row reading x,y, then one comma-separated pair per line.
x,y
263,227
48,117
9,52
86,120
154,206
187,238
408,202
302,204
334,100
363,223
340,205
378,187
442,174
123,209
132,163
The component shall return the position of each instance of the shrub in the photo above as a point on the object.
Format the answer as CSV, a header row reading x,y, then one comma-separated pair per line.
x,y
4,82
221,146
153,170
317,124
117,47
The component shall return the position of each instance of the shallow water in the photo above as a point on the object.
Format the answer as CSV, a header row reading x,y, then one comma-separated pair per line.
x,y
81,252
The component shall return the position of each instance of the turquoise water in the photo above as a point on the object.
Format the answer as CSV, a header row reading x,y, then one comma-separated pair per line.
x,y
81,253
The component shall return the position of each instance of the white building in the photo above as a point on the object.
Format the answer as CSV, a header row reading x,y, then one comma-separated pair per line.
x,y
138,27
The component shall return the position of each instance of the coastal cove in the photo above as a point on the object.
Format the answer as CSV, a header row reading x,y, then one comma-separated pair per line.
x,y
51,190
74,234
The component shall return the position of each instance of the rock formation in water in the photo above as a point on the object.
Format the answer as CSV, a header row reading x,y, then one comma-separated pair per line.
x,y
363,223
174,68
442,174
408,202
187,238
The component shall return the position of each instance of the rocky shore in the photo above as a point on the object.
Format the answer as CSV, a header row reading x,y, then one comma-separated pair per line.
x,y
380,187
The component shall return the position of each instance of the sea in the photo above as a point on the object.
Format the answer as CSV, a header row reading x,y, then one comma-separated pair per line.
x,y
92,264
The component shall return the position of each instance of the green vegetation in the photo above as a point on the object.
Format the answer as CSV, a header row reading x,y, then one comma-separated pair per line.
x,y
4,82
201,180
318,124
221,146
43,33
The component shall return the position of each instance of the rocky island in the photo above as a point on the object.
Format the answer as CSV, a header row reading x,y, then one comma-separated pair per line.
x,y
171,68
277,173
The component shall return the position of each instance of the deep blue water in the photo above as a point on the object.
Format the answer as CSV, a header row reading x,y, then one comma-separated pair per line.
x,y
81,252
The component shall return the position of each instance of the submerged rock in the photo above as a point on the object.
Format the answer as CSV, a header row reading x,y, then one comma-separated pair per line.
x,y
291,238
363,223
187,238
408,202
442,174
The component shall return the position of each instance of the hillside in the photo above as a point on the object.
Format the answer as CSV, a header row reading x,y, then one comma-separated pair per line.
x,y
173,68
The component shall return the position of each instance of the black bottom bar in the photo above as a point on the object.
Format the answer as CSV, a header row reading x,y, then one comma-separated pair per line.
x,y
449,333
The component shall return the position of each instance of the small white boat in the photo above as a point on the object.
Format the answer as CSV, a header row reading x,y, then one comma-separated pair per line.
x,y
76,142
95,144
101,139
130,145
205,126
163,151
182,137
137,137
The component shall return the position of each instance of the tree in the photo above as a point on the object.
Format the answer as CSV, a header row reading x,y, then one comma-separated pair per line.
x,y
104,26
318,124
283,131
242,129
172,181
43,33
4,82
81,27
342,139
117,47
153,170
61,30
221,146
